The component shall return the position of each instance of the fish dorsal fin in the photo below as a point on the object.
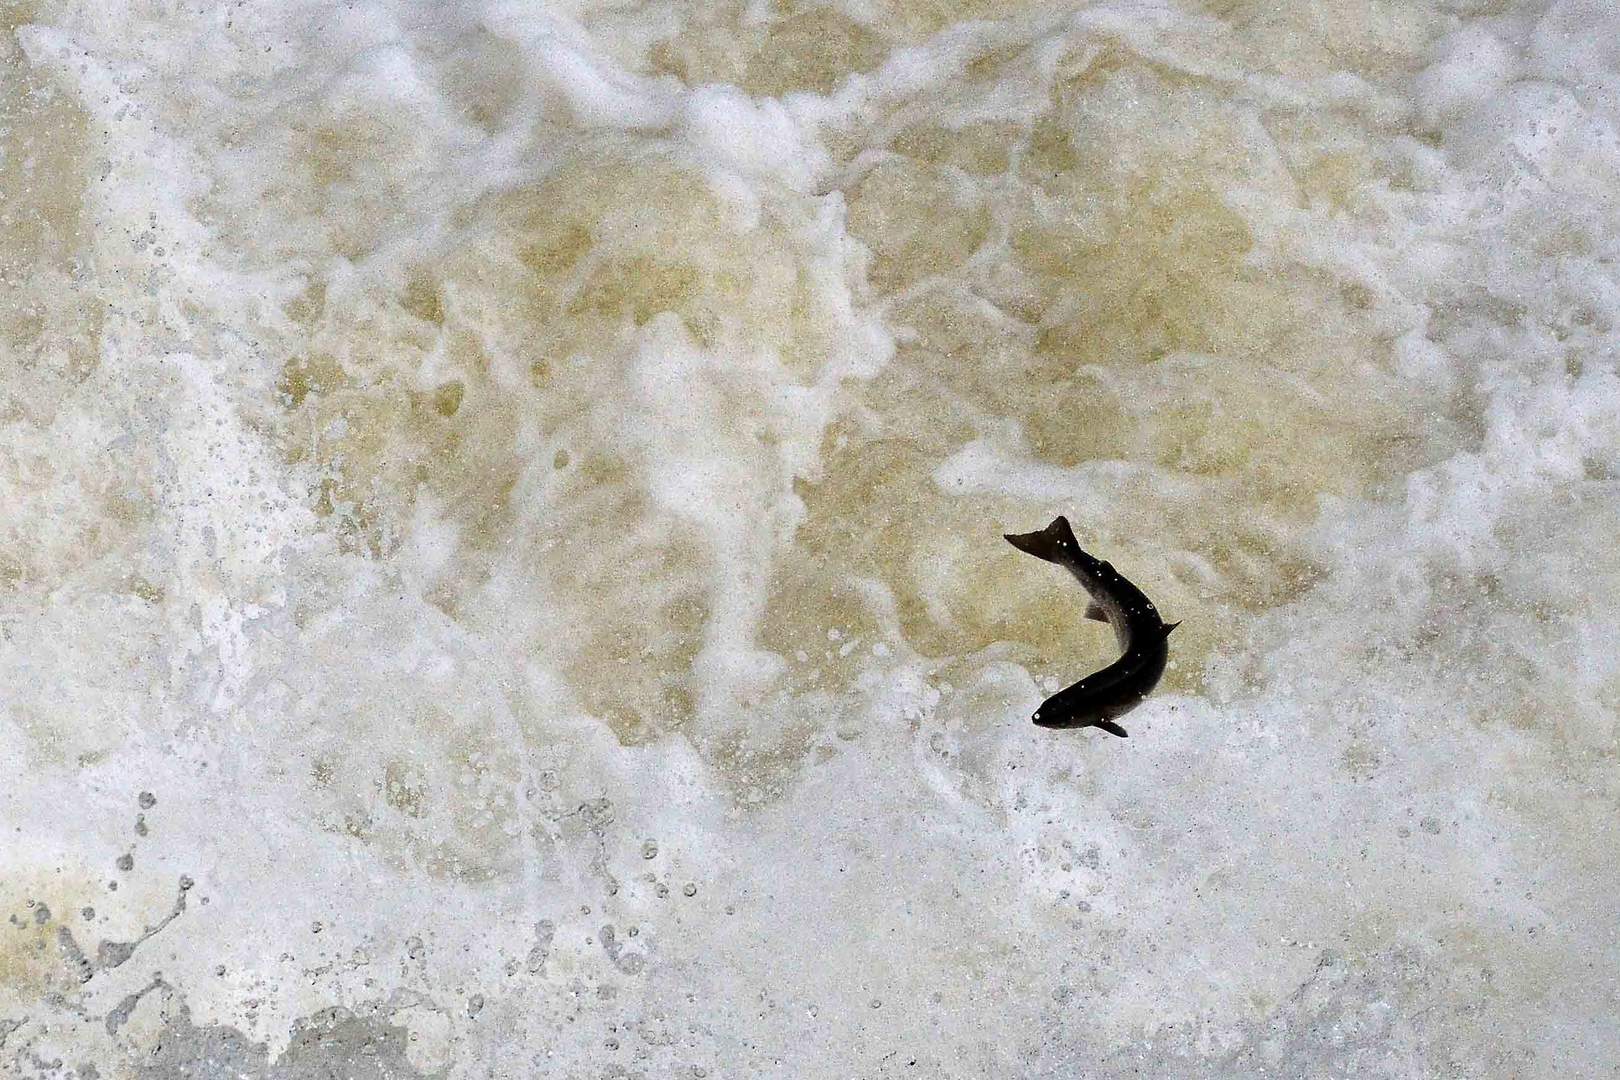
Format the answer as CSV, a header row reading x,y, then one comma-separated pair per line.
x,y
1095,613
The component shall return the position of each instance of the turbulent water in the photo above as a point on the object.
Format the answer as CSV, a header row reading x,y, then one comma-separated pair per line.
x,y
500,561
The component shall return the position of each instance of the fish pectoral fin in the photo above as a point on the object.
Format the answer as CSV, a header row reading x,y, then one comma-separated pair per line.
x,y
1110,727
1095,613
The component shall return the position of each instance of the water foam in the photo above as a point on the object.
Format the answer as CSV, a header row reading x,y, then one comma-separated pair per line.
x,y
521,491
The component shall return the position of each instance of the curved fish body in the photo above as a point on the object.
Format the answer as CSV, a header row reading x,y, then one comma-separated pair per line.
x,y
1103,696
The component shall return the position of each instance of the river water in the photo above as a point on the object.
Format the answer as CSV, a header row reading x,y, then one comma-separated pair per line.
x,y
500,512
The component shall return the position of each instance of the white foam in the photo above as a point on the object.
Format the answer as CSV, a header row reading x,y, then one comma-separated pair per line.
x,y
1473,67
392,712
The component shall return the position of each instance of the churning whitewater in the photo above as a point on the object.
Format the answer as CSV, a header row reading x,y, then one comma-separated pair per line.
x,y
493,514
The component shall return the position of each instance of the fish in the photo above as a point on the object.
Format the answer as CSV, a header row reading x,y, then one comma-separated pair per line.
x,y
1103,696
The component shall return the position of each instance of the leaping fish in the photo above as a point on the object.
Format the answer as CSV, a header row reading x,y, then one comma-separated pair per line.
x,y
1102,697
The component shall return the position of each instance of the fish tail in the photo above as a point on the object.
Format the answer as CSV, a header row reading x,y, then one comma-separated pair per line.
x,y
1051,543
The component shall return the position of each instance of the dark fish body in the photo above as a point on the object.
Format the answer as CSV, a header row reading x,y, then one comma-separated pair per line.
x,y
1103,696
